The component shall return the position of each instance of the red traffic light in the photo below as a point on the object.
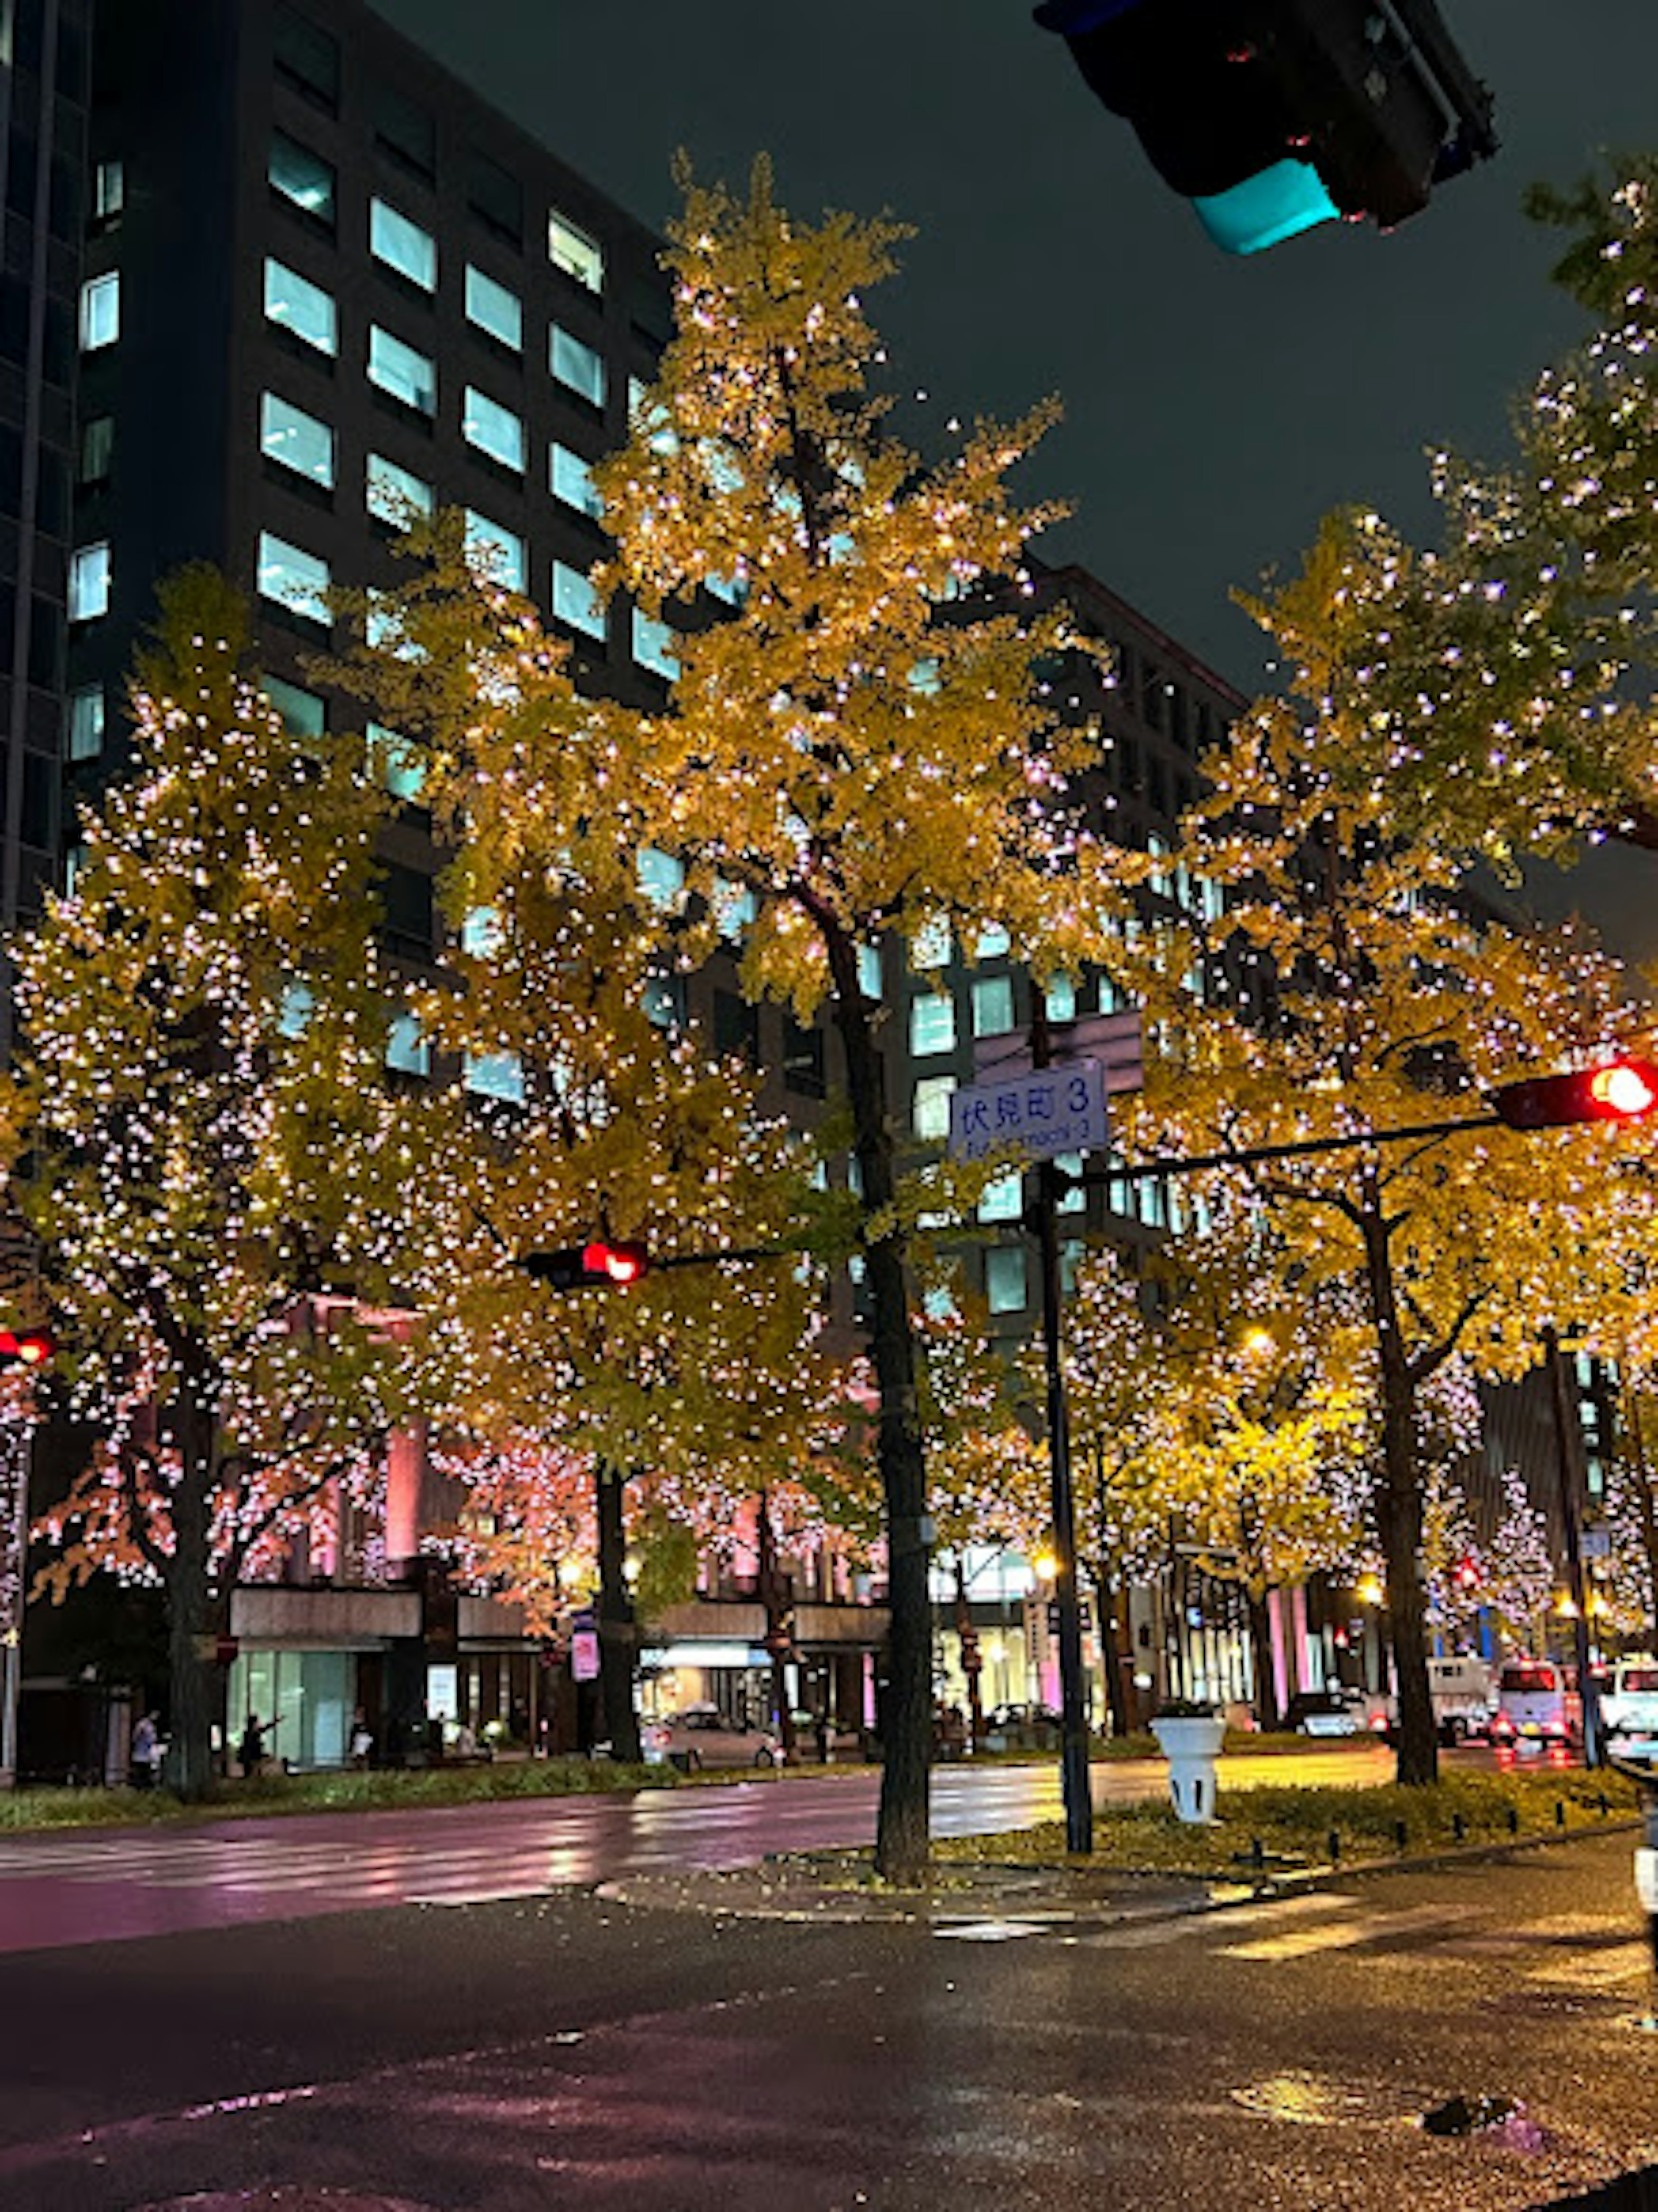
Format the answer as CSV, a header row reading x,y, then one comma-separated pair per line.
x,y
600,1263
27,1347
1467,1573
1618,1091
613,1263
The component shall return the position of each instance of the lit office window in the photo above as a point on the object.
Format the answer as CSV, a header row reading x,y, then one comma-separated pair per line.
x,y
302,177
992,1005
930,1113
575,601
304,713
931,1023
86,722
492,429
572,481
1061,994
407,1050
498,1075
403,244
931,947
1006,1286
101,312
396,495
571,249
89,581
396,763
870,980
295,304
577,366
109,190
661,879
298,441
992,939
493,308
653,646
293,578
500,552
1003,1200
398,369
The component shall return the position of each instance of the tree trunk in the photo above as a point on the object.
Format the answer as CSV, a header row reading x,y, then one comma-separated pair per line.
x,y
618,1634
188,1588
902,1840
1399,1511
1268,1710
1115,1649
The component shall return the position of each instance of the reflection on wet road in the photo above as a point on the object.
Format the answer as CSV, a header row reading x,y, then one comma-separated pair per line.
x,y
96,1885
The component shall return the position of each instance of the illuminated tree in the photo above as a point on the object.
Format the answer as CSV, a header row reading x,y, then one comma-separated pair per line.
x,y
584,1108
857,746
216,1165
1516,1566
1352,982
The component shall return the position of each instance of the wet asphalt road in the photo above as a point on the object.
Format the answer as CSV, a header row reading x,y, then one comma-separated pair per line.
x,y
532,2056
86,1885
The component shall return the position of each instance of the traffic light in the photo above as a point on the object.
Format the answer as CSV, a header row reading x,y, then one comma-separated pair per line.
x,y
599,1263
1618,1091
1272,116
26,1347
1466,1575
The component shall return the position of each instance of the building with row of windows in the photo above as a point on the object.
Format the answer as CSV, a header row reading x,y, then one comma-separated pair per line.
x,y
273,279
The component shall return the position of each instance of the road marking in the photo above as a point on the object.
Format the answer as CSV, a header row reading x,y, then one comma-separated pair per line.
x,y
995,1931
1338,1935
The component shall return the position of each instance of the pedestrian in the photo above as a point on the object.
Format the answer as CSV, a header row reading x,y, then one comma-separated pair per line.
x,y
821,1730
146,1758
362,1739
251,1750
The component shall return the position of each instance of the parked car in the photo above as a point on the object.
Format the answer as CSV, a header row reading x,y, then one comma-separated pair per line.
x,y
702,1737
1333,1710
1535,1704
1628,1703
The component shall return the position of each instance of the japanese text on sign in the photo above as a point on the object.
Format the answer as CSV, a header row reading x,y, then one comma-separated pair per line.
x,y
1043,1111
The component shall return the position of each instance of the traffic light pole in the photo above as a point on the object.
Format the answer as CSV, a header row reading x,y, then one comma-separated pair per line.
x,y
1073,1711
1568,1443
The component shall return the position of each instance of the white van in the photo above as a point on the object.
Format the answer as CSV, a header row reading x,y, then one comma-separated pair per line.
x,y
1464,1701
1628,1709
1535,1704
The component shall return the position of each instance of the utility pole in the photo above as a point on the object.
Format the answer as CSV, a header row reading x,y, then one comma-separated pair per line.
x,y
1567,1429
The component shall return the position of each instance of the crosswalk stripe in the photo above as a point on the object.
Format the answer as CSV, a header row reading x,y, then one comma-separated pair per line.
x,y
1337,1935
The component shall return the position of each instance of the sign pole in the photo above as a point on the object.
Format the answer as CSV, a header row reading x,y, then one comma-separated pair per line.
x,y
1073,1736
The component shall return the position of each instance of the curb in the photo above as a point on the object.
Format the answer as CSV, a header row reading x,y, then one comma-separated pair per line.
x,y
1222,1897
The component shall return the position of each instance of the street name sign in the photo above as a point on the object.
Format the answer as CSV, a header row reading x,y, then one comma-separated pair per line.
x,y
1043,1111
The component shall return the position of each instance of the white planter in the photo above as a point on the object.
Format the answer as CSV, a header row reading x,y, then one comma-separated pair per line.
x,y
1191,1747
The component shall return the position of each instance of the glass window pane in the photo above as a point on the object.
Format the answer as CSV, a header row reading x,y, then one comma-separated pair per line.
x,y
303,177
661,878
406,1049
101,312
400,370
1004,1200
1005,1279
992,1005
305,55
298,441
931,1023
869,970
492,429
575,601
89,581
572,483
494,308
296,304
403,244
396,763
500,552
304,712
932,945
86,722
577,366
1061,999
494,1075
97,448
653,644
931,1115
575,251
109,190
396,495
292,577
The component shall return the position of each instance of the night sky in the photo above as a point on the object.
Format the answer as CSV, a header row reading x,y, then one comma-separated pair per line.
x,y
1214,408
